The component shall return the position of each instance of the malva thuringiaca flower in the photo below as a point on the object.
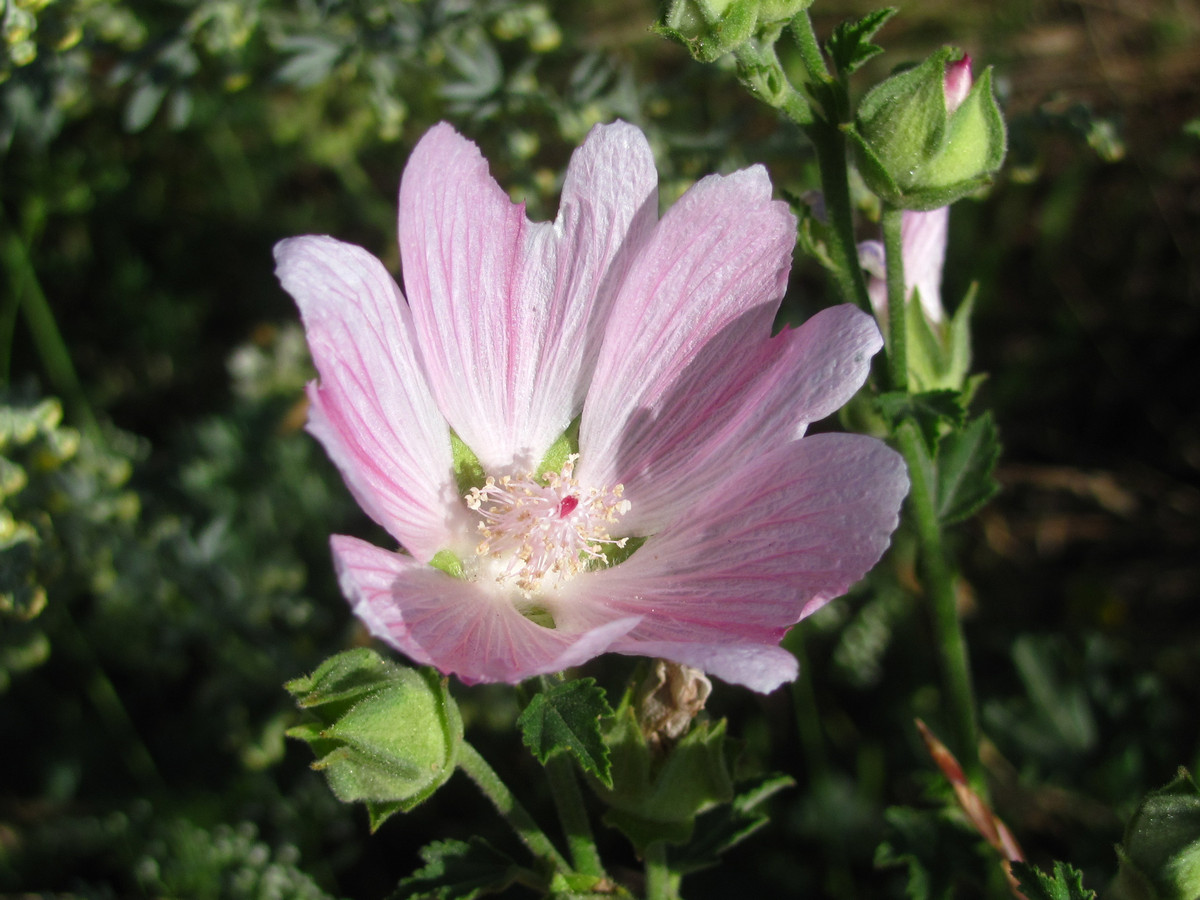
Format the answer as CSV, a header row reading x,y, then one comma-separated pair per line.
x,y
582,433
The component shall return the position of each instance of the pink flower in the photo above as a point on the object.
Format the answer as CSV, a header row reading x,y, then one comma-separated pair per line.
x,y
689,451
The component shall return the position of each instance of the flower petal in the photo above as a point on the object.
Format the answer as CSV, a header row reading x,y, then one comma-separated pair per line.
x,y
372,409
508,310
923,237
730,402
455,625
708,281
769,546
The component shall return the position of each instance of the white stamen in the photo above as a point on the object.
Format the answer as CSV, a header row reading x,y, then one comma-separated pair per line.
x,y
542,532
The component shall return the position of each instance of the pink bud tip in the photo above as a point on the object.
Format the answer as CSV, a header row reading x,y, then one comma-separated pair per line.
x,y
958,82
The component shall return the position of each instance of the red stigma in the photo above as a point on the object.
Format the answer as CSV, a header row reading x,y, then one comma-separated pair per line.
x,y
566,506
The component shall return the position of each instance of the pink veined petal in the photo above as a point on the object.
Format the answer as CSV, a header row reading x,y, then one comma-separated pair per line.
x,y
509,311
755,666
371,408
728,404
709,280
923,237
769,546
739,407
455,625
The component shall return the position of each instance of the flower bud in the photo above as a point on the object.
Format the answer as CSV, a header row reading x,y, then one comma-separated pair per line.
x,y
385,734
1160,855
712,28
926,136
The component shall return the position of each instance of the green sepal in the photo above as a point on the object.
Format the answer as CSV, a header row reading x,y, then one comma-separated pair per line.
x,y
711,28
458,870
903,119
1065,884
566,444
468,470
912,152
566,717
448,562
975,142
1160,853
655,797
383,734
850,44
614,554
958,342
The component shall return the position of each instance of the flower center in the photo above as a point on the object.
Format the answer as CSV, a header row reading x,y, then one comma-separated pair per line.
x,y
540,532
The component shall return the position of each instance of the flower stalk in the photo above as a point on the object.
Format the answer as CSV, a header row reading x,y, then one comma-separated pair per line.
x,y
477,769
938,580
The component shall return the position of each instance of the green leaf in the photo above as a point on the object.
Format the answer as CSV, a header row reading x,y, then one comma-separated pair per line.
x,y
939,855
850,44
724,828
656,798
966,460
1065,884
567,717
458,870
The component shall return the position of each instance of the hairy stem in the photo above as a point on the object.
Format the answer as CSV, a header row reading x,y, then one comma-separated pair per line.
x,y
835,186
518,818
897,350
939,584
660,883
572,814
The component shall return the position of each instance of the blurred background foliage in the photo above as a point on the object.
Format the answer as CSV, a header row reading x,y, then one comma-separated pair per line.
x,y
165,519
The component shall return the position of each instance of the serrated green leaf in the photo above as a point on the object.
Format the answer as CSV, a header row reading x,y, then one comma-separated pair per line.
x,y
458,870
722,829
850,44
1065,884
567,717
966,461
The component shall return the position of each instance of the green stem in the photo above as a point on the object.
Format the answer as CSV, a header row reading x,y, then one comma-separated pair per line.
x,y
572,814
810,49
830,144
939,585
897,351
51,347
808,717
518,818
660,883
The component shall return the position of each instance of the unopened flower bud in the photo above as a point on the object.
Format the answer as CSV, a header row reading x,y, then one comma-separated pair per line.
x,y
926,136
1160,856
712,28
383,734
